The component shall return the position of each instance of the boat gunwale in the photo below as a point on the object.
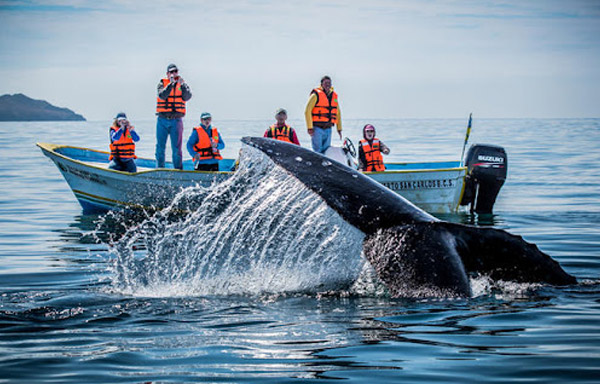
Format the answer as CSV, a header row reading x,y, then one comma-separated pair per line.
x,y
49,147
463,168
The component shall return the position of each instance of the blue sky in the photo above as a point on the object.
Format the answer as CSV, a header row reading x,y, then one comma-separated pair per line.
x,y
244,59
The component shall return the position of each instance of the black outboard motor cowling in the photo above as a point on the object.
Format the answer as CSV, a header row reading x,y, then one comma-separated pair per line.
x,y
487,166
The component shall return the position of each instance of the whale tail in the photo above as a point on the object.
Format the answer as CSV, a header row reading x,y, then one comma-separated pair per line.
x,y
413,253
417,260
504,256
435,259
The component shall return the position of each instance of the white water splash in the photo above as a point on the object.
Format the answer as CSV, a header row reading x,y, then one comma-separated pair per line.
x,y
502,290
261,231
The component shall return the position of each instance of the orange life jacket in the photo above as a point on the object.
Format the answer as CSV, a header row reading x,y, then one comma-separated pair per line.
x,y
203,146
373,155
124,148
281,133
174,102
326,108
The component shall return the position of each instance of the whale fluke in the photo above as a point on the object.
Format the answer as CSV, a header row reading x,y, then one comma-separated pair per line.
x,y
413,253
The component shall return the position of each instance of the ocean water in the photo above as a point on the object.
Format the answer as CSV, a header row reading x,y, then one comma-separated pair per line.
x,y
264,283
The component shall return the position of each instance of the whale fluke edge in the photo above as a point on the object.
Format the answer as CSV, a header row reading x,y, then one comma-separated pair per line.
x,y
412,252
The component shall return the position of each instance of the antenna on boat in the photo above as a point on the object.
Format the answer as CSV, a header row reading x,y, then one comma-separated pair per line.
x,y
466,139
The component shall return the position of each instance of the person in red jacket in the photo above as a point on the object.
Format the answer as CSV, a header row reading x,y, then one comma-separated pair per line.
x,y
280,130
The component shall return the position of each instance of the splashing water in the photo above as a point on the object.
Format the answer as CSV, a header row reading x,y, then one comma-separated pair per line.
x,y
261,231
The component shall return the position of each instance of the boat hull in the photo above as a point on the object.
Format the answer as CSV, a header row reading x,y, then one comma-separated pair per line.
x,y
100,189
433,190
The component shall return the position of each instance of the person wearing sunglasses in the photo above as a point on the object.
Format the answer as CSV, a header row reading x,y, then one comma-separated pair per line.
x,y
370,149
173,93
322,112
204,145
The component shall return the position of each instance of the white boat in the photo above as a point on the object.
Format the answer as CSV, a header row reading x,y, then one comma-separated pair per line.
x,y
98,188
435,187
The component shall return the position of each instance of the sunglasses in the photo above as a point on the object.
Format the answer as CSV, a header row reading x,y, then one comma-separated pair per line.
x,y
174,71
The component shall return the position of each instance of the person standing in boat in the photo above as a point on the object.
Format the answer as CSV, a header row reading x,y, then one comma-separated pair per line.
x,y
173,93
280,130
122,144
370,149
321,114
204,145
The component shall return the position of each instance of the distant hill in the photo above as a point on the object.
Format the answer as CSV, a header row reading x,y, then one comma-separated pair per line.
x,y
19,107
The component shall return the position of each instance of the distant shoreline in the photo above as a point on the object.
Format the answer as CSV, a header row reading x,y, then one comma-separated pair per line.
x,y
19,107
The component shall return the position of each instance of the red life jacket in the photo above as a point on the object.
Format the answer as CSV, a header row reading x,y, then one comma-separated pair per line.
x,y
281,133
325,110
203,146
372,155
174,102
124,148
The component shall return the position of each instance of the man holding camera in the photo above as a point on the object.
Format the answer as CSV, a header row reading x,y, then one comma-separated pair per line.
x,y
173,93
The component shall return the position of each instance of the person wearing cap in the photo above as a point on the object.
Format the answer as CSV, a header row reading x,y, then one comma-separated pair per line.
x,y
173,93
204,145
322,112
370,149
122,144
280,130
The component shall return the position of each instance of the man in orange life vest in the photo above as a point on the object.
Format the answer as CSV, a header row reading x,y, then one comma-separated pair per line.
x,y
204,145
173,93
322,112
369,151
122,146
280,130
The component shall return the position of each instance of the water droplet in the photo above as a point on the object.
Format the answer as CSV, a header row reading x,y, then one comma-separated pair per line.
x,y
326,163
298,159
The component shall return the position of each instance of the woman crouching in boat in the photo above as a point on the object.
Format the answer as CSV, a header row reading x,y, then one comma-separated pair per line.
x,y
122,144
370,149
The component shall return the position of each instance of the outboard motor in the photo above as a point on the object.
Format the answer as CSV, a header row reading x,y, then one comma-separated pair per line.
x,y
487,166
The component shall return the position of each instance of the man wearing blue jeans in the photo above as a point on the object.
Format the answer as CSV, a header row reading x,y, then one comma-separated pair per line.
x,y
173,93
322,113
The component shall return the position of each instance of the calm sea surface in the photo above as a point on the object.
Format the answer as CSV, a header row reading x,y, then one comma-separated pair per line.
x,y
93,298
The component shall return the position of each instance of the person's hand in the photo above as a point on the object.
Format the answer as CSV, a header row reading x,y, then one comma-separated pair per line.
x,y
180,80
213,144
340,133
311,131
